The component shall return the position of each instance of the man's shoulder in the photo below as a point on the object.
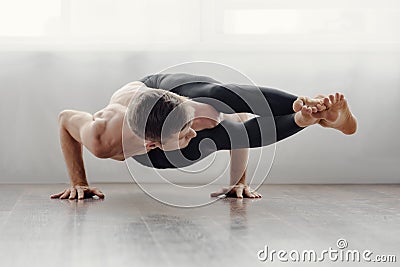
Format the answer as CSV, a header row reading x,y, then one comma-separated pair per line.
x,y
134,84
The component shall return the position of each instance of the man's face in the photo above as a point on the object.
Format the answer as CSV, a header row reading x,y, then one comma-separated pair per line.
x,y
179,140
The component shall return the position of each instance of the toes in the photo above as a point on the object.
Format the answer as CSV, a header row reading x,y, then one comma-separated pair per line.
x,y
312,101
320,107
327,102
298,104
312,105
337,97
332,99
306,110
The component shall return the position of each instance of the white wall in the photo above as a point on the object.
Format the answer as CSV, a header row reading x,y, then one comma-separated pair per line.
x,y
35,86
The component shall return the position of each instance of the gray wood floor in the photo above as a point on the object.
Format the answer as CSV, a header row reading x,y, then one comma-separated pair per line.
x,y
129,228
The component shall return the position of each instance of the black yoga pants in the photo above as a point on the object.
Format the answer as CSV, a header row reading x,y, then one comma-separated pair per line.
x,y
274,122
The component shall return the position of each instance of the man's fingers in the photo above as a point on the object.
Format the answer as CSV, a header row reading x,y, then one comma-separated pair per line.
x,y
97,192
81,193
78,192
257,194
57,195
253,195
66,194
247,193
73,193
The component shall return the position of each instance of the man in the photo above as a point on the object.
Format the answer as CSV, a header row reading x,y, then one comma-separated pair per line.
x,y
203,109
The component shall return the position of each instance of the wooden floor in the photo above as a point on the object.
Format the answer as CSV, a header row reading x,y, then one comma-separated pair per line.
x,y
129,228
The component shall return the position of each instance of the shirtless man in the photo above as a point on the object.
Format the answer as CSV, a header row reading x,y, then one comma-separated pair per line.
x,y
101,132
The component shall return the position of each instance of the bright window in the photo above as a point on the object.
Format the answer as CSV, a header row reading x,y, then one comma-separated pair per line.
x,y
219,24
29,18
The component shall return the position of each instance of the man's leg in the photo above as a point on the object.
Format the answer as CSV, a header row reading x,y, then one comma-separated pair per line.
x,y
253,133
227,135
257,132
228,98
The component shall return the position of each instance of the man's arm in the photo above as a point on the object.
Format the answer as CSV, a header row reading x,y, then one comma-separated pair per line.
x,y
239,158
238,168
79,129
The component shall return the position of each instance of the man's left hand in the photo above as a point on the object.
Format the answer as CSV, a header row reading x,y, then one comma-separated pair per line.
x,y
239,190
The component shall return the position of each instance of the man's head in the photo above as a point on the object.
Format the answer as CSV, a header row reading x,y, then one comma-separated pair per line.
x,y
161,118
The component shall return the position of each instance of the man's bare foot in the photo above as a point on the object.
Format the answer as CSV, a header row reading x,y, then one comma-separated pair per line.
x,y
337,115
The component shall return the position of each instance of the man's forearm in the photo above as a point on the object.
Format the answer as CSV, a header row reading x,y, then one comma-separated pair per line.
x,y
239,158
72,151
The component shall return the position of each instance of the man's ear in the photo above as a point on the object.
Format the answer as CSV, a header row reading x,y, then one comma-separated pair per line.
x,y
151,144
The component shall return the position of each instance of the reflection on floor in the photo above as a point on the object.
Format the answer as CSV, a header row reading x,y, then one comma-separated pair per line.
x,y
129,228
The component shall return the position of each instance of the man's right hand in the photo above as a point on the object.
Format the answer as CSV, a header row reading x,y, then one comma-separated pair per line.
x,y
79,192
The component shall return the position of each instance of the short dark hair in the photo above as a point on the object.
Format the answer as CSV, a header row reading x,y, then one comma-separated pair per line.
x,y
149,109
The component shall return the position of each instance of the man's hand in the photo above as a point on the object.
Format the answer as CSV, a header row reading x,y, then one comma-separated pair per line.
x,y
239,190
79,192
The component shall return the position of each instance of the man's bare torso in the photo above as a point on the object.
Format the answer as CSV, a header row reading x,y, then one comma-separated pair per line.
x,y
114,113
